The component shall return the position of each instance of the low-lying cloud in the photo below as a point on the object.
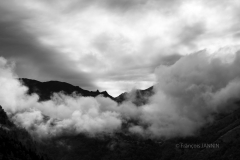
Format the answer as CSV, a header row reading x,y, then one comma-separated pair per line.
x,y
187,94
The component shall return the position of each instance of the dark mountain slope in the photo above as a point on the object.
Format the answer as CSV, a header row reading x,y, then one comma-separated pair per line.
x,y
4,121
16,143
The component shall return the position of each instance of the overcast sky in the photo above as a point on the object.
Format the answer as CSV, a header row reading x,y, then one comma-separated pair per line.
x,y
111,45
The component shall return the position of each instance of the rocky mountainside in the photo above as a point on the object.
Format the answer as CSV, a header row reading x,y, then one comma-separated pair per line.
x,y
16,143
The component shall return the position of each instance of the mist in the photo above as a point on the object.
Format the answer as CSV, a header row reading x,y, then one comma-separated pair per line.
x,y
187,95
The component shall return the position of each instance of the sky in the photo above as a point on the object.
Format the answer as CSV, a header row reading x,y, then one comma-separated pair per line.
x,y
112,45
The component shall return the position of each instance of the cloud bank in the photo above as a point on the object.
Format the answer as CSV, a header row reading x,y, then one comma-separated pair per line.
x,y
187,94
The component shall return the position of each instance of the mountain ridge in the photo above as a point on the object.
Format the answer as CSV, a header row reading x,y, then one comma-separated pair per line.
x,y
46,89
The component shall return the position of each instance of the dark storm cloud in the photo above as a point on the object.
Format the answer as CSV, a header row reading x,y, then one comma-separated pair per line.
x,y
33,59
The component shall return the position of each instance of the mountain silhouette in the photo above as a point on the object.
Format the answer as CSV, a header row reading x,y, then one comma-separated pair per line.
x,y
46,89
